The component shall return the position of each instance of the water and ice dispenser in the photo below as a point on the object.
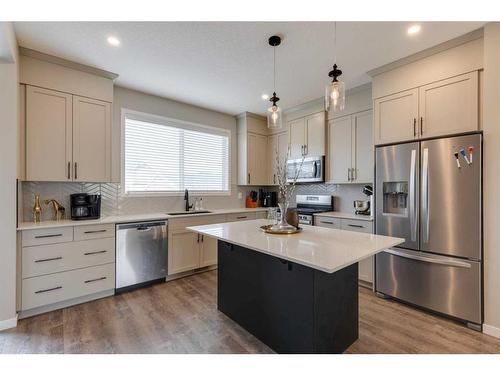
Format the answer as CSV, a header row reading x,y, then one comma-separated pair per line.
x,y
395,197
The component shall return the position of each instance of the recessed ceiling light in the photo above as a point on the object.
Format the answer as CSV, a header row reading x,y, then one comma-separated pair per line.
x,y
414,29
114,41
264,96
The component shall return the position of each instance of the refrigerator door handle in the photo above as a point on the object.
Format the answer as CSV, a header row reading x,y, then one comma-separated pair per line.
x,y
413,212
425,194
444,262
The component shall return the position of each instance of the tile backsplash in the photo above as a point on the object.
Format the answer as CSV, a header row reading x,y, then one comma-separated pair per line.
x,y
113,202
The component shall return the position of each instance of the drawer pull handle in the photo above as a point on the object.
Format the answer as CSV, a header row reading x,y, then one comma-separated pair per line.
x,y
95,252
95,231
241,217
94,280
327,222
355,226
47,259
49,235
48,290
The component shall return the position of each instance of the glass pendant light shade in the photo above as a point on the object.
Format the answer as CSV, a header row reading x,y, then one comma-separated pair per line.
x,y
274,117
335,96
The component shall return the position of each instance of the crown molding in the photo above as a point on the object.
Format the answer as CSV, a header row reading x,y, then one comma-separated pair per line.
x,y
66,63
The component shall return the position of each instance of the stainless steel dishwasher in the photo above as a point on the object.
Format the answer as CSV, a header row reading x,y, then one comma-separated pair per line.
x,y
141,254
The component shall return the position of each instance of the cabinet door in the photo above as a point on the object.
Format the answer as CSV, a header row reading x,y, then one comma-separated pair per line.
x,y
260,160
365,266
363,147
208,251
184,252
449,106
48,135
315,134
396,117
297,129
340,149
91,140
273,152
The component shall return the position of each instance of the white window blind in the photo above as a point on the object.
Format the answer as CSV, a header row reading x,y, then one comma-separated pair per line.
x,y
171,156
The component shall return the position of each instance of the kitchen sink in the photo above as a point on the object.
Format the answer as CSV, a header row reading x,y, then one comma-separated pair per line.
x,y
188,212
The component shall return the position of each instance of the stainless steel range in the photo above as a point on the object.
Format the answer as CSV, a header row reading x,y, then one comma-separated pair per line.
x,y
308,205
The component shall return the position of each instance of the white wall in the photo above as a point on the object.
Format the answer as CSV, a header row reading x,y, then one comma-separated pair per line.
x,y
142,102
8,170
491,178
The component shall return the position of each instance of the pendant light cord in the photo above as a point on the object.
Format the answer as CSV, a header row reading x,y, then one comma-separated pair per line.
x,y
335,42
274,69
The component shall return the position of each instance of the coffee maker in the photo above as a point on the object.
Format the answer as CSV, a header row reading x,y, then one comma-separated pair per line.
x,y
268,199
85,206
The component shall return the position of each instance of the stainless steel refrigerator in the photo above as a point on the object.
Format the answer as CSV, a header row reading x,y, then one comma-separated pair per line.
x,y
429,193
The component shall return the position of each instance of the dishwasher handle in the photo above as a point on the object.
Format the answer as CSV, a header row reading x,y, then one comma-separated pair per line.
x,y
142,226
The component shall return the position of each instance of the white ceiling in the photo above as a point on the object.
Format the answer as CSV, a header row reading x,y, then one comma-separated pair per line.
x,y
226,66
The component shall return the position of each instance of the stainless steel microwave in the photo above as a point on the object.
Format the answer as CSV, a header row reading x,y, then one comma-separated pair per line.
x,y
310,170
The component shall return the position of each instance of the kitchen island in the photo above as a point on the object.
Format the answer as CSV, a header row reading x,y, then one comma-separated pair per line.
x,y
296,293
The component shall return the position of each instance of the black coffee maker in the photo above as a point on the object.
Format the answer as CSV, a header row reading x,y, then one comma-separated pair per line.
x,y
268,199
85,206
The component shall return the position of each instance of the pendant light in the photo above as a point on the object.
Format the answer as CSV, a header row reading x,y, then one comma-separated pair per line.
x,y
335,91
274,115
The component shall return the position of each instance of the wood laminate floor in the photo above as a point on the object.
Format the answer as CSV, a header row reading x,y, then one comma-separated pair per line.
x,y
181,317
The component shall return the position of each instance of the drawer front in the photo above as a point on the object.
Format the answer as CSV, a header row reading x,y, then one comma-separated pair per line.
x,y
261,215
90,232
357,225
46,236
47,259
45,290
241,216
327,222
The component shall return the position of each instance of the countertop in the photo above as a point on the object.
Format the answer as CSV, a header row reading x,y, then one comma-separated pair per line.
x,y
345,215
324,249
129,218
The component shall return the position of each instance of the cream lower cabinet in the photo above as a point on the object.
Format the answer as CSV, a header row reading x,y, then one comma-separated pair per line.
x,y
65,266
350,156
445,107
187,250
68,138
366,266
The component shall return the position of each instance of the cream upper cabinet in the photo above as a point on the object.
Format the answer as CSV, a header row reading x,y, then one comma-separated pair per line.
x,y
396,117
91,140
446,107
257,159
363,163
340,144
351,149
48,135
297,130
315,134
307,136
449,106
277,146
68,138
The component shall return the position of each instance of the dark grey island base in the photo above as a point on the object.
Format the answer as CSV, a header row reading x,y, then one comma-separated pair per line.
x,y
289,307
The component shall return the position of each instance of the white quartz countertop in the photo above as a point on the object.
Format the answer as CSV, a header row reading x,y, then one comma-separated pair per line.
x,y
345,215
129,218
324,249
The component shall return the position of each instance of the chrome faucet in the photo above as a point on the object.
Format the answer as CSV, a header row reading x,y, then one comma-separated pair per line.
x,y
186,198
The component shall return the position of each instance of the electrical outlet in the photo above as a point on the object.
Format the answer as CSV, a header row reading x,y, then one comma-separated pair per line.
x,y
240,195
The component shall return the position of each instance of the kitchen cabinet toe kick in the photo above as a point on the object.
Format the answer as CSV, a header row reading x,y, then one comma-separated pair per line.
x,y
289,307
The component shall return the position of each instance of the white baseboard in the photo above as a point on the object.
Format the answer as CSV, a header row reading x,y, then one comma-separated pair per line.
x,y
9,323
491,330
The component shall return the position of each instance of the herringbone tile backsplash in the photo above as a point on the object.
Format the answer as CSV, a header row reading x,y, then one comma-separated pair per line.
x,y
114,203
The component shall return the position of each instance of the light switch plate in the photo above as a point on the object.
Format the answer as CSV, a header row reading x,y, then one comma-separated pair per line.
x,y
240,195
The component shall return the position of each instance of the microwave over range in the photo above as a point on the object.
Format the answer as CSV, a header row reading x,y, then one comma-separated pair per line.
x,y
307,170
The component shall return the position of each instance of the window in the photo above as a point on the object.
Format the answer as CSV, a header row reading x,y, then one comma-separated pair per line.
x,y
167,156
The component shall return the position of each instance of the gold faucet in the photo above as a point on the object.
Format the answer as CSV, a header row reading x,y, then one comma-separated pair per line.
x,y
37,209
58,209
